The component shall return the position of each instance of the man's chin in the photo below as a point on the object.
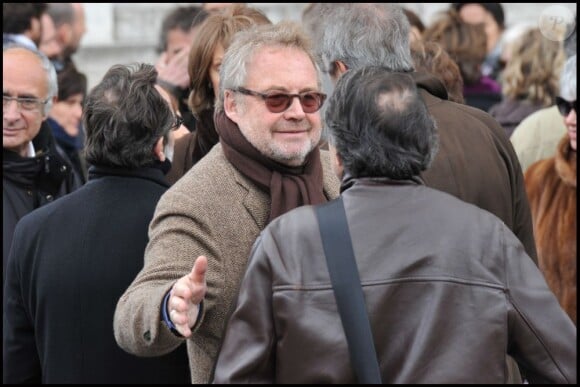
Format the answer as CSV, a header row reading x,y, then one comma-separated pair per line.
x,y
292,155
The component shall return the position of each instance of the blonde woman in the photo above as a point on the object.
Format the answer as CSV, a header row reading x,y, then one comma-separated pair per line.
x,y
530,79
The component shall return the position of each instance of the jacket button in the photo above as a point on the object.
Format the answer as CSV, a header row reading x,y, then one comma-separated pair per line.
x,y
147,336
50,198
29,193
63,168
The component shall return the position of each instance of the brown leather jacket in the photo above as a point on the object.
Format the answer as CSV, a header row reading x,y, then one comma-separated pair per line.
x,y
449,289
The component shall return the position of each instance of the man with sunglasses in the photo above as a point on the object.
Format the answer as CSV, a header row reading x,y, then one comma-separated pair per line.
x,y
34,173
551,186
268,162
65,276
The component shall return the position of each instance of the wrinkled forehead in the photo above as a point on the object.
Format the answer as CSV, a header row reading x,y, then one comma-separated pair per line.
x,y
278,61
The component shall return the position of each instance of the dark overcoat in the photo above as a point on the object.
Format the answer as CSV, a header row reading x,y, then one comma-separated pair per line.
x,y
70,263
31,182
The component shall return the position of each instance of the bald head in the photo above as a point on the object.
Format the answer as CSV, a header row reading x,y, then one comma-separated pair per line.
x,y
29,87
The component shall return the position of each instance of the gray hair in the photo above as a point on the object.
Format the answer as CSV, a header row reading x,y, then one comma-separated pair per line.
x,y
47,66
365,34
245,44
568,80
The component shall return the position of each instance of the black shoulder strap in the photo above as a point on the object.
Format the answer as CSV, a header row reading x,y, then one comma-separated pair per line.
x,y
348,290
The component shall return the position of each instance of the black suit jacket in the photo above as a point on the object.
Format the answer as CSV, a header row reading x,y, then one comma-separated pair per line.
x,y
71,260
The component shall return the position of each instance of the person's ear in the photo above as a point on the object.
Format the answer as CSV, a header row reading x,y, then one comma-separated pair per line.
x,y
231,107
45,110
158,150
338,68
341,68
65,32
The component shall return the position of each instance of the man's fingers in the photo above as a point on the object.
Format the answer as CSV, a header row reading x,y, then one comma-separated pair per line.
x,y
197,274
183,330
178,304
181,323
177,318
181,289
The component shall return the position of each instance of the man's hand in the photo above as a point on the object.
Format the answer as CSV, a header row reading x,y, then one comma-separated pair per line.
x,y
174,70
185,297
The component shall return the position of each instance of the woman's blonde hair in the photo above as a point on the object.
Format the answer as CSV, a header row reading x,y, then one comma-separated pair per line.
x,y
532,72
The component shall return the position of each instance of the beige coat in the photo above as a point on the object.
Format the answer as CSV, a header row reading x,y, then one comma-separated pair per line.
x,y
538,135
214,211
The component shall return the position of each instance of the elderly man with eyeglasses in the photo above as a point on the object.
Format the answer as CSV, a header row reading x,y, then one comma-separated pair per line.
x,y
34,174
72,259
267,163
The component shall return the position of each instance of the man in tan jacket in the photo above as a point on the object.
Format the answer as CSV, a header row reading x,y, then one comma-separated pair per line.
x,y
267,163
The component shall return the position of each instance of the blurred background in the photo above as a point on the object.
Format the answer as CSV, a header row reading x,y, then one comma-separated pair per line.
x,y
126,33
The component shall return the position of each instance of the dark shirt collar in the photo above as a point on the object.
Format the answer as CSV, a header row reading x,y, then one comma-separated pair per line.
x,y
153,173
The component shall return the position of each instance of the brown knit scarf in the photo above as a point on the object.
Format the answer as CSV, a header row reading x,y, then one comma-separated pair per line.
x,y
289,187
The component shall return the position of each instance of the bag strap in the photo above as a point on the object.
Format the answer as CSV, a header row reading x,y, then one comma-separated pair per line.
x,y
348,290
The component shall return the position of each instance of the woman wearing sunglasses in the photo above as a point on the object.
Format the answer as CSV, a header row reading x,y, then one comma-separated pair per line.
x,y
551,188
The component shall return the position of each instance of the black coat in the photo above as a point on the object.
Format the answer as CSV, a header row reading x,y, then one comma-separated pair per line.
x,y
72,260
31,182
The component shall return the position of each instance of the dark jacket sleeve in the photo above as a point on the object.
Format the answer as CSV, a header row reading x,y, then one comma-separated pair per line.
x,y
21,363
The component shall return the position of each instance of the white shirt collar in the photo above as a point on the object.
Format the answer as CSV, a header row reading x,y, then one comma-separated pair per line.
x,y
31,152
22,40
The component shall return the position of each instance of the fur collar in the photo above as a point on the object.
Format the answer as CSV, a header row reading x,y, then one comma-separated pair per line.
x,y
566,162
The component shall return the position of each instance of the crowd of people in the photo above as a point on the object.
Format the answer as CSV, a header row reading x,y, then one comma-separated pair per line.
x,y
161,226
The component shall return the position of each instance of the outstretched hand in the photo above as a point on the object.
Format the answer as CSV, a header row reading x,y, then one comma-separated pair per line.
x,y
186,295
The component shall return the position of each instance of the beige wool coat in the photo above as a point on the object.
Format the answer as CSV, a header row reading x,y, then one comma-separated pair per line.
x,y
214,211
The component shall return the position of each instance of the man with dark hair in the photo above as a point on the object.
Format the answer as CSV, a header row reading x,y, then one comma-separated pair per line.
x,y
69,22
70,27
34,174
435,316
49,44
21,23
64,277
177,32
